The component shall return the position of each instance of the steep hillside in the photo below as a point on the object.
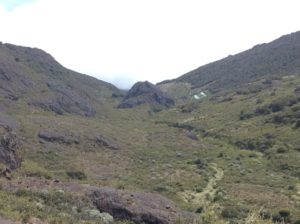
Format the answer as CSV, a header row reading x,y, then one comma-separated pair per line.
x,y
275,59
34,76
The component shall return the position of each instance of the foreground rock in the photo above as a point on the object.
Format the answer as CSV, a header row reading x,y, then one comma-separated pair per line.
x,y
9,144
54,136
145,93
138,207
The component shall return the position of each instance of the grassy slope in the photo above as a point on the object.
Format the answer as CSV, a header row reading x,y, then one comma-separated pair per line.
x,y
157,157
268,179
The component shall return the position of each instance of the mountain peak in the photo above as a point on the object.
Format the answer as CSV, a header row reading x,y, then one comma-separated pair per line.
x,y
145,93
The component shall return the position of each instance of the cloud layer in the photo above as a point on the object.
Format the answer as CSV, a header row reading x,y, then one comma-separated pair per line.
x,y
126,41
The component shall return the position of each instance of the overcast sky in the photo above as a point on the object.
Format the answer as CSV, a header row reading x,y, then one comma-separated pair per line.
x,y
124,41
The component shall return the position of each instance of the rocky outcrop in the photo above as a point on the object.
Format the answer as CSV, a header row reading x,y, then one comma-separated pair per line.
x,y
65,100
9,145
145,93
106,142
55,136
138,207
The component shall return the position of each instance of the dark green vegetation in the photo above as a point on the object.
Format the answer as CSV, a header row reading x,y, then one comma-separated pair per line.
x,y
228,154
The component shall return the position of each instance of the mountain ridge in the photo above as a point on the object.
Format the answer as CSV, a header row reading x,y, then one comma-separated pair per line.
x,y
275,58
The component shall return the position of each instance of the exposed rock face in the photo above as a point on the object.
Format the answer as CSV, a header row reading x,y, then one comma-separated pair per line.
x,y
145,93
138,207
34,76
9,145
54,136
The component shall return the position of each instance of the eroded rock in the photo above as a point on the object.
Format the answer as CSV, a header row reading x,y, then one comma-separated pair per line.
x,y
9,144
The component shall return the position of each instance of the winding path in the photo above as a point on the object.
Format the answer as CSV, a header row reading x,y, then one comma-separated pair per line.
x,y
204,198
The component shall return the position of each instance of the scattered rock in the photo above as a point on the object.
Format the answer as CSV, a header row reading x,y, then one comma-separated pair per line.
x,y
145,93
179,154
106,142
138,207
192,136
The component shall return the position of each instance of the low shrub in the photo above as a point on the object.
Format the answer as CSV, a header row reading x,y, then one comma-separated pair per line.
x,y
78,175
32,169
246,115
230,213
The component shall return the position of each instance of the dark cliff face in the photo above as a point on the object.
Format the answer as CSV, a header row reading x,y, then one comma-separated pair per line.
x,y
145,93
277,58
35,76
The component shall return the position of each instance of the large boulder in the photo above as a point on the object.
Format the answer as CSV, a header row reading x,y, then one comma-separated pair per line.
x,y
145,93
9,145
138,207
56,137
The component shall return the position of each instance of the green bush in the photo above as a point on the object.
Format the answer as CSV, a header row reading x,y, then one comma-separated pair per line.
x,y
281,150
259,144
246,115
230,213
199,210
78,175
284,213
262,111
32,169
297,125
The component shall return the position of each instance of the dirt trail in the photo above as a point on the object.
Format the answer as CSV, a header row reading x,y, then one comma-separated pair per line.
x,y
204,198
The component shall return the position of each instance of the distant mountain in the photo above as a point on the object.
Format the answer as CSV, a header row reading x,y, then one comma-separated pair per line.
x,y
277,58
36,77
145,93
